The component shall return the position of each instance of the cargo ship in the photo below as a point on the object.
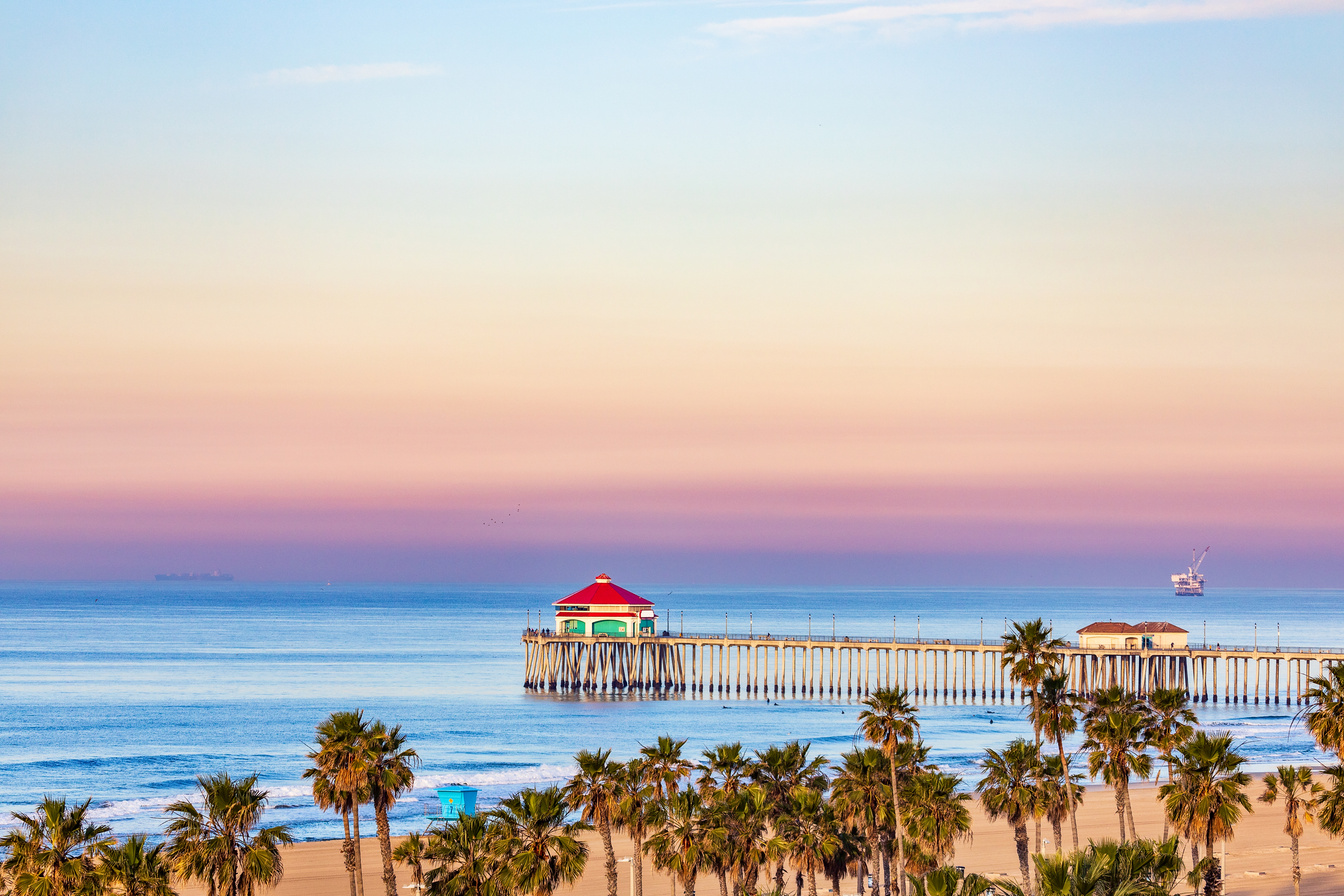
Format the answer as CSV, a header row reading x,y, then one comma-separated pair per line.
x,y
1190,582
215,576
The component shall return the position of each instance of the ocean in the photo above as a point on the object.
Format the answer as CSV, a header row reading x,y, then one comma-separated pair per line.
x,y
123,693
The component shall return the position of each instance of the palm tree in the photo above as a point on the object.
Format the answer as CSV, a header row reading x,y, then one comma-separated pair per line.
x,y
810,833
847,858
949,881
1008,791
635,798
1115,741
684,837
411,852
223,845
539,848
779,770
1053,713
1299,793
1205,797
52,852
936,816
1030,653
889,721
1171,722
340,775
129,869
726,767
664,766
467,858
1330,804
1059,798
751,838
1107,868
1325,709
861,793
595,791
391,773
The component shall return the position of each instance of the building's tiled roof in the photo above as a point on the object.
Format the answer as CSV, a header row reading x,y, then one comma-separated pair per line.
x,y
603,593
1124,628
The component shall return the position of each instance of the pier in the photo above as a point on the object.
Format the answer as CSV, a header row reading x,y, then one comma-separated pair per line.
x,y
933,670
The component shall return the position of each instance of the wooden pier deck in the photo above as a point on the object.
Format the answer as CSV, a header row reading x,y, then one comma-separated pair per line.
x,y
767,666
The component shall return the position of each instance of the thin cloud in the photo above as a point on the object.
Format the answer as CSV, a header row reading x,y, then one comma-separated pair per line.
x,y
330,74
1020,14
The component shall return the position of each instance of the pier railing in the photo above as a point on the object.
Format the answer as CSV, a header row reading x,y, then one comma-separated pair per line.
x,y
992,643
810,665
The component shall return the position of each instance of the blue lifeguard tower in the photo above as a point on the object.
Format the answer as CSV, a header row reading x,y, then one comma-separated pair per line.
x,y
455,800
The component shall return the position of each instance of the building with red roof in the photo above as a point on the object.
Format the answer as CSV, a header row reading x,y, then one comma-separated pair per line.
x,y
1122,635
605,610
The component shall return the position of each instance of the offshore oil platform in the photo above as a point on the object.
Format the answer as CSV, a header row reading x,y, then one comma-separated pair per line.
x,y
1191,582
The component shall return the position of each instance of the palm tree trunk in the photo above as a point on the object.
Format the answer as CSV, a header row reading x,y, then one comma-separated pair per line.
x,y
1297,871
1058,827
779,877
347,853
1164,814
723,882
886,871
835,883
385,847
863,874
1129,812
1120,810
1020,837
900,834
603,830
811,881
638,859
688,885
1068,788
1213,877
359,856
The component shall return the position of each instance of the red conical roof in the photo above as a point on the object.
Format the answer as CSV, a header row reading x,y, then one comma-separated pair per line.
x,y
602,592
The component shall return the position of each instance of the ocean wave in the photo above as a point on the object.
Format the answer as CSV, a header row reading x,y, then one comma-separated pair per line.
x,y
111,810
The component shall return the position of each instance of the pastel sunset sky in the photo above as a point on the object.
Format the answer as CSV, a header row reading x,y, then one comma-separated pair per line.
x,y
934,292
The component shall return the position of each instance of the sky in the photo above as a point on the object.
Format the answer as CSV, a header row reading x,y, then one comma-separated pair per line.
x,y
937,293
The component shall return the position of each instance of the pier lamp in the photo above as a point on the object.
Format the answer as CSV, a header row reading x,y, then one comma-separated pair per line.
x,y
1276,640
725,626
1206,635
982,631
751,625
809,626
683,621
1255,636
832,626
917,635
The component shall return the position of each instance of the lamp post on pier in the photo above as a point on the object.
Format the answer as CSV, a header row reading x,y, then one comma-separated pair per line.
x,y
832,626
751,625
725,626
1276,637
982,631
809,626
917,634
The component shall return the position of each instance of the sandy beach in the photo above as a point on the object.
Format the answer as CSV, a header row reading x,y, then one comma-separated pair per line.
x,y
1258,861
